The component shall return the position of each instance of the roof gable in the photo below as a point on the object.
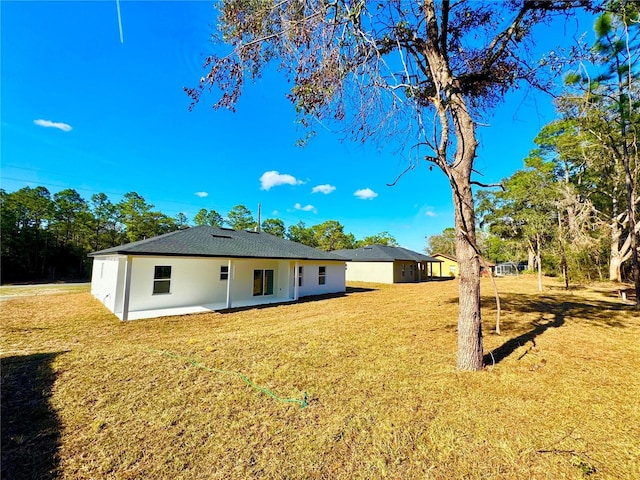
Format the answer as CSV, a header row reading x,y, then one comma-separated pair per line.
x,y
443,255
205,241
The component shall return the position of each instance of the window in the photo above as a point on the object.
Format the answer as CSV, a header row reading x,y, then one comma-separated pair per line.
x,y
162,280
224,272
322,275
262,282
300,271
403,266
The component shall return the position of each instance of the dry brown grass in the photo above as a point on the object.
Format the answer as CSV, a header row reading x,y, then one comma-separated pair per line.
x,y
8,292
561,401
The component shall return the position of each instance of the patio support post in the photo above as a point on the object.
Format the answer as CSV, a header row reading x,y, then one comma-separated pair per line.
x,y
296,281
229,281
127,288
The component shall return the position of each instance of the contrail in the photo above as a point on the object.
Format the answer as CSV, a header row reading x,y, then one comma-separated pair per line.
x,y
119,21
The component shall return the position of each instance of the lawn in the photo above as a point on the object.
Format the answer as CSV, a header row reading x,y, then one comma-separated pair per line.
x,y
222,395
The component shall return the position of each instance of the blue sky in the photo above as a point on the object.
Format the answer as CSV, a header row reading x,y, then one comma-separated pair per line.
x,y
80,109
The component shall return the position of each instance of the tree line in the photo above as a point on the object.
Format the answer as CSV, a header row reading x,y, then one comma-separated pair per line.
x,y
48,237
573,209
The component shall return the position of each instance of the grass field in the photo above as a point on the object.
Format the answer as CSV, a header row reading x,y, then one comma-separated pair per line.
x,y
86,396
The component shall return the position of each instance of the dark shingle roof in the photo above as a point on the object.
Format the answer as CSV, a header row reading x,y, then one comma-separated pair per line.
x,y
220,242
444,255
383,253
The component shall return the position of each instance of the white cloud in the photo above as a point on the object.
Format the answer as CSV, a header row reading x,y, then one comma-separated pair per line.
x,y
429,213
275,213
274,178
201,194
65,127
306,208
365,194
326,189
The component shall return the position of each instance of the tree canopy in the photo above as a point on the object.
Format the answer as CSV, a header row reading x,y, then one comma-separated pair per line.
x,y
589,159
240,218
382,238
208,217
274,226
444,242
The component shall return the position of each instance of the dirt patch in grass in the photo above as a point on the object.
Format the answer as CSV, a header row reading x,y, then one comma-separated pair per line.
x,y
559,398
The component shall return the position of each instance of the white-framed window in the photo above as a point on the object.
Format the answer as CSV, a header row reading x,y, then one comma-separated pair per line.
x,y
162,279
224,272
300,275
322,275
262,282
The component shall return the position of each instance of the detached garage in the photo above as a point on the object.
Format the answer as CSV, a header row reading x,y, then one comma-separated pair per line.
x,y
205,269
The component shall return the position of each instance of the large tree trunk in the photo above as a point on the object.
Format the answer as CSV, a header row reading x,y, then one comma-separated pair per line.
x,y
452,111
539,262
615,262
531,259
629,179
635,261
615,257
470,342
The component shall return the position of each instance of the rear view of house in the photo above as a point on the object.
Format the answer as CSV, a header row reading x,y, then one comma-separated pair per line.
x,y
385,264
204,268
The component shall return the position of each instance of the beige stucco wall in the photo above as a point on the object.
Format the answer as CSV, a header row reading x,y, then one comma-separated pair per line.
x,y
375,272
383,272
405,271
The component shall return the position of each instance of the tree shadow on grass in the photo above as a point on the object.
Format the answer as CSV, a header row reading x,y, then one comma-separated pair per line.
x,y
30,427
511,345
552,313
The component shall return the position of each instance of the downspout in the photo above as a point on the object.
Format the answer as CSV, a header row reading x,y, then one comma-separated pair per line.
x,y
127,288
229,280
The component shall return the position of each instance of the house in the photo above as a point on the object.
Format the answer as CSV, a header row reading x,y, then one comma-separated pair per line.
x,y
385,264
204,269
450,265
